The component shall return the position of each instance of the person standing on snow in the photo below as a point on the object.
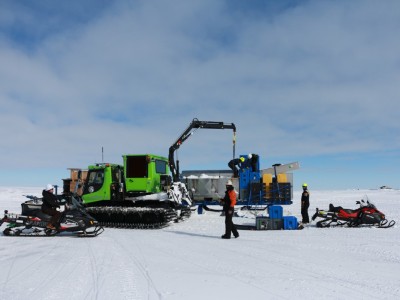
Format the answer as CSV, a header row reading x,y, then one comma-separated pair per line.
x,y
229,204
305,204
50,205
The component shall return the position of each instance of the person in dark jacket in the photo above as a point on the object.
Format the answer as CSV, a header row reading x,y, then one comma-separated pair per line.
x,y
235,165
50,205
305,204
229,202
253,158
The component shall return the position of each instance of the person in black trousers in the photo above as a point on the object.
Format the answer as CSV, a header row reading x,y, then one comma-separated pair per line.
x,y
229,205
50,205
305,204
253,159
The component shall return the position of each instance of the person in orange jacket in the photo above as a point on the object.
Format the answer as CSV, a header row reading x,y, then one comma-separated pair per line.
x,y
229,204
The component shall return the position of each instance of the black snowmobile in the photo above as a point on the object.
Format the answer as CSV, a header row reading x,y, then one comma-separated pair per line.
x,y
366,215
33,222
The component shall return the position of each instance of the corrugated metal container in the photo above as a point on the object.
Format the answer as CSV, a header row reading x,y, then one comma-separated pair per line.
x,y
208,184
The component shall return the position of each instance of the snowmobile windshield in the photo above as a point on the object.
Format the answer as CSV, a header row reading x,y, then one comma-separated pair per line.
x,y
75,202
365,202
371,205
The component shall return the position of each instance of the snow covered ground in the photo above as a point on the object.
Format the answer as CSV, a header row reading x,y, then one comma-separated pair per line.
x,y
189,260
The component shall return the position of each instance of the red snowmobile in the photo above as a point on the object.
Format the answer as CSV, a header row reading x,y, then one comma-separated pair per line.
x,y
367,214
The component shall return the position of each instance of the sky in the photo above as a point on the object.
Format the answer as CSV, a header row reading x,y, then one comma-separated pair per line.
x,y
308,81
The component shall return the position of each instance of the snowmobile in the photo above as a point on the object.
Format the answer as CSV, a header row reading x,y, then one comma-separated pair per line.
x,y
366,215
33,222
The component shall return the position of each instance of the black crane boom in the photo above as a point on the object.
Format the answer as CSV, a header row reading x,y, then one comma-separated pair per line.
x,y
194,125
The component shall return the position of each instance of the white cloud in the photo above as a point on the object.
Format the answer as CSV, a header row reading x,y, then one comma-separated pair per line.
x,y
319,77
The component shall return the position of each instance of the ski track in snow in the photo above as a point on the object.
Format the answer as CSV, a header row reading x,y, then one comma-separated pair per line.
x,y
94,272
134,255
218,267
188,260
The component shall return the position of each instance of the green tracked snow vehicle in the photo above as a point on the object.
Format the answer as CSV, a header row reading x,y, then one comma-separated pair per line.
x,y
137,194
141,193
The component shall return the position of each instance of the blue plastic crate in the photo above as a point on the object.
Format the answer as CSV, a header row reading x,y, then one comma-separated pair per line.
x,y
275,212
289,223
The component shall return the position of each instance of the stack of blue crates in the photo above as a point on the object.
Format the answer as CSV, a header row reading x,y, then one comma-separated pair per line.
x,y
287,223
275,215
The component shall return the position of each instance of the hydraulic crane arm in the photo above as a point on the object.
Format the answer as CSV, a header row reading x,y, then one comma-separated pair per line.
x,y
193,126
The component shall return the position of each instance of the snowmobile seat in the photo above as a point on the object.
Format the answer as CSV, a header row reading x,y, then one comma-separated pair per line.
x,y
351,211
35,210
334,208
